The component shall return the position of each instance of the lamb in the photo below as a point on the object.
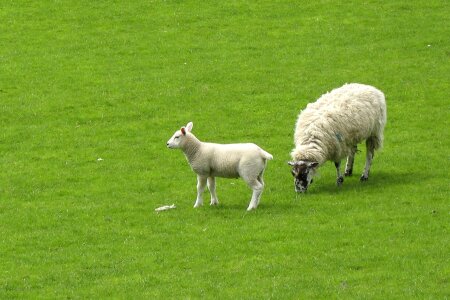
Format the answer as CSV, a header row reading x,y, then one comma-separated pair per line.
x,y
331,128
211,160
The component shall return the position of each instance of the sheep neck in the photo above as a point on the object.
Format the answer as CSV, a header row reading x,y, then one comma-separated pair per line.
x,y
191,147
310,152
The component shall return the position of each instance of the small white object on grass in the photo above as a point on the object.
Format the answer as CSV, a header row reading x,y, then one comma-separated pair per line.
x,y
165,207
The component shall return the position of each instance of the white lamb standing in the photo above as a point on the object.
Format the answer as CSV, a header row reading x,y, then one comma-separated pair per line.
x,y
331,128
211,160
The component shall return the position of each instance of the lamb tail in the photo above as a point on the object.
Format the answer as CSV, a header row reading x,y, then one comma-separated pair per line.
x,y
266,155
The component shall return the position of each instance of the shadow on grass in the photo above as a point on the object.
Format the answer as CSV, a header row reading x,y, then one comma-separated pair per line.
x,y
242,207
282,201
377,181
266,206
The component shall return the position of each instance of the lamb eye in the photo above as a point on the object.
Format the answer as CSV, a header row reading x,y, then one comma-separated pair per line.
x,y
176,137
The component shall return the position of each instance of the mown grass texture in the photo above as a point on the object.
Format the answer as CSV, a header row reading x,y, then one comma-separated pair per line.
x,y
91,91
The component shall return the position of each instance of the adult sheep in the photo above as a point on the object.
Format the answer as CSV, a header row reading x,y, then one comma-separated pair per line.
x,y
210,160
331,128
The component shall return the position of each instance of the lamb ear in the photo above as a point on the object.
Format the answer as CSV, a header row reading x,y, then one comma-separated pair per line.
x,y
292,163
189,126
183,130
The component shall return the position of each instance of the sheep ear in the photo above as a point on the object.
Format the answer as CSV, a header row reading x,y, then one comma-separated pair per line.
x,y
189,126
313,164
183,130
291,163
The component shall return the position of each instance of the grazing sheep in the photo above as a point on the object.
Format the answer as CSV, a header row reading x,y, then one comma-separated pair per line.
x,y
331,128
210,160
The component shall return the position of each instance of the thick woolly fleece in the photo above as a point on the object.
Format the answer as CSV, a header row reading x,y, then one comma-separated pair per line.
x,y
331,127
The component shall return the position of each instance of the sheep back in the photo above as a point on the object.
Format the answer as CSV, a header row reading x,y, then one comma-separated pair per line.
x,y
228,160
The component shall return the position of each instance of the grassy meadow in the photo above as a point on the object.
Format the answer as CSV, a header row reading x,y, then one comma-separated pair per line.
x,y
90,91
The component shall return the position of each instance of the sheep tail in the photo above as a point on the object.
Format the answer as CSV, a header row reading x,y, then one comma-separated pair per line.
x,y
266,155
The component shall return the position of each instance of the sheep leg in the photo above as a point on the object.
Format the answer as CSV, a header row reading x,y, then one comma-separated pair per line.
x,y
340,178
261,181
257,188
370,151
201,184
350,161
212,190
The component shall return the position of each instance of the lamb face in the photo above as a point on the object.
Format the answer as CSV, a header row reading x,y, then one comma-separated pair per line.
x,y
303,173
175,141
178,137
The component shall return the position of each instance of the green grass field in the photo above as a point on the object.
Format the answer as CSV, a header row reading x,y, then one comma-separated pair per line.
x,y
90,91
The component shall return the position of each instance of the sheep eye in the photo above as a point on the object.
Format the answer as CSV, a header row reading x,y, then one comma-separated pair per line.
x,y
176,137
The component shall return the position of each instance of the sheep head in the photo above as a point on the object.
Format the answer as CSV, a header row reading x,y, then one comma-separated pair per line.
x,y
303,172
179,136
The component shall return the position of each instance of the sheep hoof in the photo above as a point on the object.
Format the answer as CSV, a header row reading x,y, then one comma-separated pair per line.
x,y
250,208
348,172
339,181
214,203
364,178
197,205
